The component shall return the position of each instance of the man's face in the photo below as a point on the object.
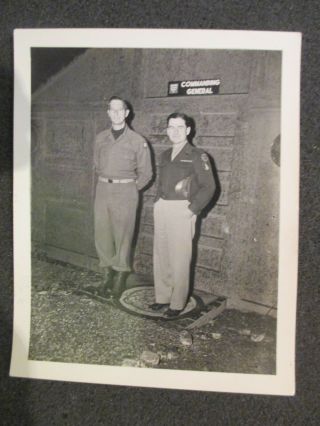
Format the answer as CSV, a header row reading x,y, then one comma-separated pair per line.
x,y
177,130
117,112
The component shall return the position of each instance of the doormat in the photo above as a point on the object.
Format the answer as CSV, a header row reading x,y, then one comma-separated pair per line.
x,y
137,300
201,308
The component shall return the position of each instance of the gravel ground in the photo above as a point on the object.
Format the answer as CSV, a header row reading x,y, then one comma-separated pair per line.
x,y
70,327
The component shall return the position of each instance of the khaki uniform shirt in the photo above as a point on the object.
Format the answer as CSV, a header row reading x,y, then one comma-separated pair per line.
x,y
127,157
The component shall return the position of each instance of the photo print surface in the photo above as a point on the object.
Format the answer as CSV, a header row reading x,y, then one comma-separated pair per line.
x,y
156,196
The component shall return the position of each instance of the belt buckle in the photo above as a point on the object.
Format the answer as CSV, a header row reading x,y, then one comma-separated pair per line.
x,y
110,180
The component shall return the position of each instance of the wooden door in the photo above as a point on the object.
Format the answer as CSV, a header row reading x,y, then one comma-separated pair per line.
x,y
217,129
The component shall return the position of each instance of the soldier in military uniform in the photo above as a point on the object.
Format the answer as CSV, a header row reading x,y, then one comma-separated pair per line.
x,y
123,166
185,186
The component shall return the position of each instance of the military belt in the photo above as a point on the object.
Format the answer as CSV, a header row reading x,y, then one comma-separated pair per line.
x,y
107,180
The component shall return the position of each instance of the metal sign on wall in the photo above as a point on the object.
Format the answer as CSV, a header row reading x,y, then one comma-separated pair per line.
x,y
194,87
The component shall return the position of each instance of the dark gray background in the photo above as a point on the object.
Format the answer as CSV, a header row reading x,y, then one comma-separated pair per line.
x,y
34,402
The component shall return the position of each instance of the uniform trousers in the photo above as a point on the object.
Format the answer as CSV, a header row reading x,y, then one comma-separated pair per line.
x,y
174,229
115,217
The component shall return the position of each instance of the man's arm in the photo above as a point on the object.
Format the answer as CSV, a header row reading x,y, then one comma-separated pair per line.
x,y
96,153
206,182
144,167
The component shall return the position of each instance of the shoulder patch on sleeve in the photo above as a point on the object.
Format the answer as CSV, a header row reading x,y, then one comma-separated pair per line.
x,y
204,157
205,161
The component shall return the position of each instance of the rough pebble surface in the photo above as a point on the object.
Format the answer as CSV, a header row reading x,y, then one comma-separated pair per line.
x,y
68,327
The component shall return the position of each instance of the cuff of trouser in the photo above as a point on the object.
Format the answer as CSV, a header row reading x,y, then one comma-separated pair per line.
x,y
163,301
177,308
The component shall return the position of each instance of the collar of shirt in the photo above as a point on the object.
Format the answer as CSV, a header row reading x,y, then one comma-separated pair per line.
x,y
116,140
117,133
177,148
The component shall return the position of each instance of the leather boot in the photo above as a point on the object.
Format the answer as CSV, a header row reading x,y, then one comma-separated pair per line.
x,y
107,282
119,283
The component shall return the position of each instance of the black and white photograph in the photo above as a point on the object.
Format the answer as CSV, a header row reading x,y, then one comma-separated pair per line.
x,y
156,208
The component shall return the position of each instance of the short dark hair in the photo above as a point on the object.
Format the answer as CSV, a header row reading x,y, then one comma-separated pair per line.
x,y
117,98
184,117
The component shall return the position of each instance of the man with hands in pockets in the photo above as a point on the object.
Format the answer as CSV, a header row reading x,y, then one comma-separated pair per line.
x,y
185,186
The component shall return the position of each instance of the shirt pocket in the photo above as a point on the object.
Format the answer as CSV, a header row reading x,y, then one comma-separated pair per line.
x,y
128,155
184,168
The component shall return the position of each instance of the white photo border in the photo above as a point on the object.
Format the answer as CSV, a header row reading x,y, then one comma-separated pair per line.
x,y
289,43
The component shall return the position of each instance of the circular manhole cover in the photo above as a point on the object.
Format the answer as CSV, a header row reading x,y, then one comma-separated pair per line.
x,y
137,300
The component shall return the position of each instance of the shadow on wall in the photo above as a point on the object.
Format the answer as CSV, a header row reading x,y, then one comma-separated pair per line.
x,y
204,212
129,121
276,150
